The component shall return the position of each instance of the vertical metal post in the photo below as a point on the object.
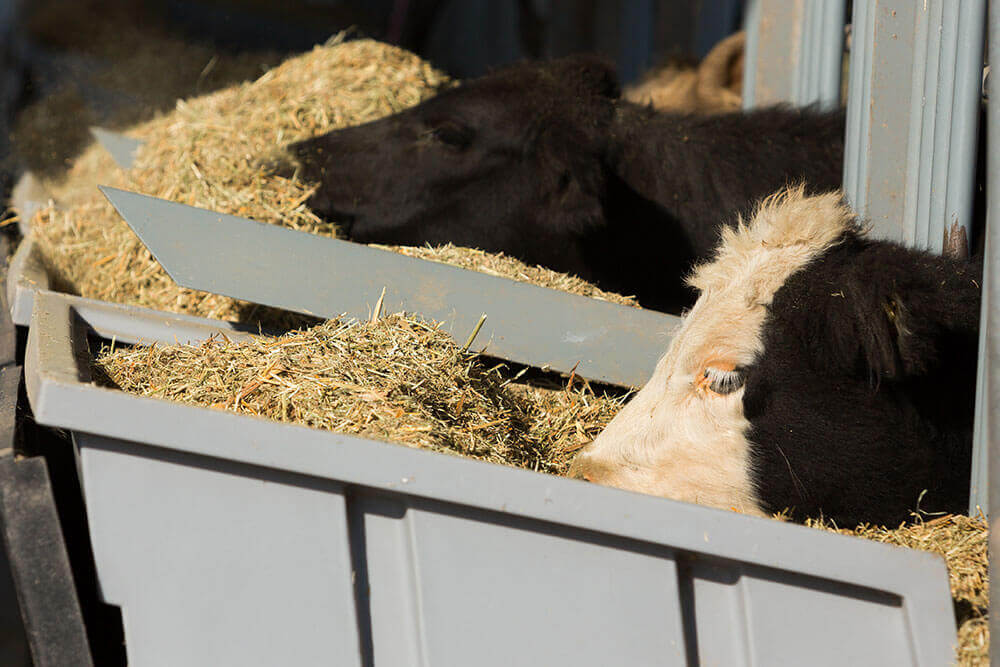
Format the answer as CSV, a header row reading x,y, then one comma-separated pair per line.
x,y
912,119
987,438
794,52
985,452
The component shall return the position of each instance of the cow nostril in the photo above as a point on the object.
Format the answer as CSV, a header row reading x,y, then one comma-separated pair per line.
x,y
586,477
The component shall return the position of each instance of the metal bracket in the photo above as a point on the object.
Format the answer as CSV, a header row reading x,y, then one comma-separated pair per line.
x,y
123,149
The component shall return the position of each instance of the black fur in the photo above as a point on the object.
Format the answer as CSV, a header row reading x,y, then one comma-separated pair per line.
x,y
545,163
864,395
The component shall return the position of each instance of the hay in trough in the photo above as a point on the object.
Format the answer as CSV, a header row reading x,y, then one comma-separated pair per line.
x,y
209,153
403,380
499,264
962,541
396,378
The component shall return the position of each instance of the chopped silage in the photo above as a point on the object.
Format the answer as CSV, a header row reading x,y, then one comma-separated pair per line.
x,y
501,265
395,378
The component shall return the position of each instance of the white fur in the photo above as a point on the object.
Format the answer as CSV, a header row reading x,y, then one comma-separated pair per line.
x,y
677,438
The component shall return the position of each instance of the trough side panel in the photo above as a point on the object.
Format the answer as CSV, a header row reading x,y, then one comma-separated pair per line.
x,y
492,589
218,563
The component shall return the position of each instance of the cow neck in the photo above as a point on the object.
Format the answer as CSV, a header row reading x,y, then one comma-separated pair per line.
x,y
653,154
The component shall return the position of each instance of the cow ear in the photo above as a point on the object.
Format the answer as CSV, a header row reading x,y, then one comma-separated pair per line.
x,y
588,73
720,74
900,313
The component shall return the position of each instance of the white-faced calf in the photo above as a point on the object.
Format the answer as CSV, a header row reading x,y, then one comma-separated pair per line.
x,y
819,371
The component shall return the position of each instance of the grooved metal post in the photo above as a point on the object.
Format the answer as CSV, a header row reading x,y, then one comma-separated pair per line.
x,y
986,451
912,119
794,52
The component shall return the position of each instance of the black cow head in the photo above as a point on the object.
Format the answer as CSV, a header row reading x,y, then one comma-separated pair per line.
x,y
509,162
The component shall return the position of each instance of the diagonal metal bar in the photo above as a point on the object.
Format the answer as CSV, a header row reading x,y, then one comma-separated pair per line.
x,y
122,149
283,268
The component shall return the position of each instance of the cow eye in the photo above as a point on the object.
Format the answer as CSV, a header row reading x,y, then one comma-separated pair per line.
x,y
720,381
452,134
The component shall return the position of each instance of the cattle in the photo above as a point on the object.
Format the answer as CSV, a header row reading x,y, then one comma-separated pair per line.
x,y
820,372
546,163
713,86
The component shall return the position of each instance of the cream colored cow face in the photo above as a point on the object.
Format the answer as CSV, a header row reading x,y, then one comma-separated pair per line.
x,y
684,435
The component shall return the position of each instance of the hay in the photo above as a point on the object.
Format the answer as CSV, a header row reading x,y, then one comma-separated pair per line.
x,y
395,378
208,152
962,541
499,264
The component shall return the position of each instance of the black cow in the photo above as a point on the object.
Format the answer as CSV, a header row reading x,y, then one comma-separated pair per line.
x,y
819,371
546,163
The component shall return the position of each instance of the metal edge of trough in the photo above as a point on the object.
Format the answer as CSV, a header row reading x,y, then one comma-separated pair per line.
x,y
57,371
120,147
988,424
26,275
301,272
28,196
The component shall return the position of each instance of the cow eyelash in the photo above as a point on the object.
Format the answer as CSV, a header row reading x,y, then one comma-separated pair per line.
x,y
720,381
451,134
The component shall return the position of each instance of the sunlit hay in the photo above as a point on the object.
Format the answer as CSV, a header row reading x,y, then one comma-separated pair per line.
x,y
962,541
397,379
206,153
499,264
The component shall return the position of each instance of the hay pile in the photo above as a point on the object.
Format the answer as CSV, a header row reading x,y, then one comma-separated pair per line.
x,y
962,541
395,378
208,152
499,264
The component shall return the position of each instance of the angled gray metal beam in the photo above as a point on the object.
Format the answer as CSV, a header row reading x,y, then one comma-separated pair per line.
x,y
912,119
794,52
123,149
284,268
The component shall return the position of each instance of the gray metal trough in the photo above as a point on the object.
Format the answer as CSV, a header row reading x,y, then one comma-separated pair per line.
x,y
228,539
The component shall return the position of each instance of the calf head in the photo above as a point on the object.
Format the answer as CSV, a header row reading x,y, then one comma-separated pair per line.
x,y
818,371
506,163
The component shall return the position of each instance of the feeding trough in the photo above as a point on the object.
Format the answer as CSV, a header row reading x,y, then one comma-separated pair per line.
x,y
261,543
